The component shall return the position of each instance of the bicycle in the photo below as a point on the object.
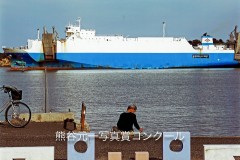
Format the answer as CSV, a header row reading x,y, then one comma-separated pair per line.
x,y
17,113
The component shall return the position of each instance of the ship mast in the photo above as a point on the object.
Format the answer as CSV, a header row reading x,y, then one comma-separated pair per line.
x,y
79,22
164,29
38,34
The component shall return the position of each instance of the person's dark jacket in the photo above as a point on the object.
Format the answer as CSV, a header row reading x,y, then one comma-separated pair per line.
x,y
126,122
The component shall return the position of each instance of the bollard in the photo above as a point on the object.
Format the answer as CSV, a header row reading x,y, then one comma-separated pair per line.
x,y
82,120
88,138
182,137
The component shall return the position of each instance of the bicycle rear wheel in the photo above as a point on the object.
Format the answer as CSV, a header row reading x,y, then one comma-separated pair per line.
x,y
18,115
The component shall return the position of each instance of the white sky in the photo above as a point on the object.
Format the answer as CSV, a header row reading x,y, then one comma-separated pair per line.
x,y
20,19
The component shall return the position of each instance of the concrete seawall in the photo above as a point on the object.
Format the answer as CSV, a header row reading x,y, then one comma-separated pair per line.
x,y
44,134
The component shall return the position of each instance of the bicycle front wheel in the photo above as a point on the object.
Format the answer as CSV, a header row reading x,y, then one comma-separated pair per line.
x,y
18,114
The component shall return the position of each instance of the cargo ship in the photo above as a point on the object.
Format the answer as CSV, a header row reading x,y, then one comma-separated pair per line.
x,y
83,48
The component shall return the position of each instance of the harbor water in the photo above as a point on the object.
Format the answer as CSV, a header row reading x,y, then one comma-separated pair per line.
x,y
205,102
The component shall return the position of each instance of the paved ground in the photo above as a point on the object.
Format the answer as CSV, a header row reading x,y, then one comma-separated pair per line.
x,y
44,134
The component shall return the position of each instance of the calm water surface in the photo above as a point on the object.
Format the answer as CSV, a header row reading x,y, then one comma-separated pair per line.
x,y
202,101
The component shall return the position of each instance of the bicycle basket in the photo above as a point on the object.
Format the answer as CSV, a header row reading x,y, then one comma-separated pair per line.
x,y
16,95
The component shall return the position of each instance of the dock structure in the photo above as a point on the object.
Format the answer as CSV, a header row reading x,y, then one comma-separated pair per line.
x,y
45,134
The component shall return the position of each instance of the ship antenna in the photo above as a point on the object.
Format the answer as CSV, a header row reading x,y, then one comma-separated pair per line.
x,y
164,29
38,34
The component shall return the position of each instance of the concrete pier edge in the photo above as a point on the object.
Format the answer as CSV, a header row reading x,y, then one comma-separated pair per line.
x,y
44,134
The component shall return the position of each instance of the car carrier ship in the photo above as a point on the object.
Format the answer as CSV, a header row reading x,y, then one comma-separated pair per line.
x,y
82,48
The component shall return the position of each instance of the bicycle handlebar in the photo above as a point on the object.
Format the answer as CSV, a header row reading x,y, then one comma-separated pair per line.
x,y
8,88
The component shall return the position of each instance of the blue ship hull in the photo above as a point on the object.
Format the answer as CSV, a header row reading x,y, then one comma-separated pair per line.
x,y
128,60
133,60
150,60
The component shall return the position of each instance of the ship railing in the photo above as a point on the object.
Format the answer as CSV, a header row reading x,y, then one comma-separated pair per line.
x,y
178,39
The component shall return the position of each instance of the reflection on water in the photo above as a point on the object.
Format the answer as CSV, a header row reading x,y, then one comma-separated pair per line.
x,y
202,101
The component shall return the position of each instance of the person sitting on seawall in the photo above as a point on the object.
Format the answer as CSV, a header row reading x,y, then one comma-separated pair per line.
x,y
128,119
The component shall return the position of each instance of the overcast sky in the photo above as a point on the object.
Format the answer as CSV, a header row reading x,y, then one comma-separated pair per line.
x,y
20,19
